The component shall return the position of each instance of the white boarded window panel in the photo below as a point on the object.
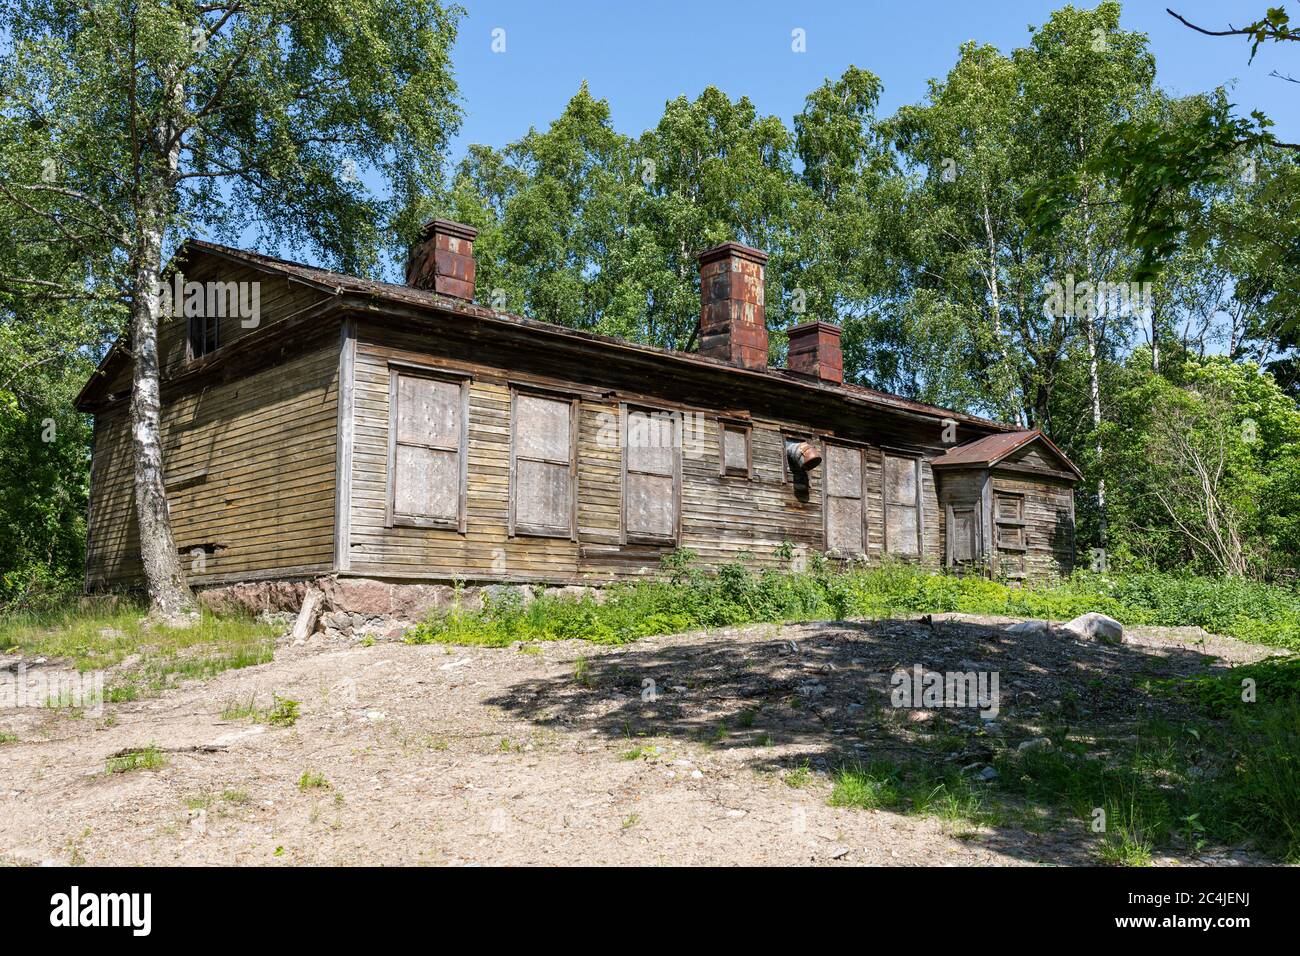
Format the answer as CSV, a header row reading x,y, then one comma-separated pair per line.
x,y
902,520
428,412
543,487
428,482
650,442
844,531
426,479
735,450
650,505
650,502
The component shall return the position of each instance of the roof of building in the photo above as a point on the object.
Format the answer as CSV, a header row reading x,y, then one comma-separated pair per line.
x,y
338,283
991,449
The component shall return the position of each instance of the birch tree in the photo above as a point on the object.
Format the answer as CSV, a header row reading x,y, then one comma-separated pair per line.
x,y
140,122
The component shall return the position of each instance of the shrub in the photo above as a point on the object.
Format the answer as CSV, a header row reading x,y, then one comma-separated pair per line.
x,y
687,598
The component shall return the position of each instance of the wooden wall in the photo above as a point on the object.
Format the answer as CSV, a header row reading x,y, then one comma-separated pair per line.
x,y
252,448
1037,544
721,517
250,468
279,298
1049,522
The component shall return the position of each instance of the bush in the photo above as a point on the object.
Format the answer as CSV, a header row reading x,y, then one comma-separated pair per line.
x,y
689,599
36,588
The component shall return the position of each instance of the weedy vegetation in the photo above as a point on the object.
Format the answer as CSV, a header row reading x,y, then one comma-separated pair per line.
x,y
146,758
100,635
688,598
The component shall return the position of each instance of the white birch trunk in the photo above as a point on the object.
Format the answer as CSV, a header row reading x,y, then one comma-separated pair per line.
x,y
170,597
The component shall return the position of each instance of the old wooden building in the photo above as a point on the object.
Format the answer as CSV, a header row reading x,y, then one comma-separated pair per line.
x,y
321,425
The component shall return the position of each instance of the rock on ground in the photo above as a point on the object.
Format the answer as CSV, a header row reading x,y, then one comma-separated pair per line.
x,y
1097,627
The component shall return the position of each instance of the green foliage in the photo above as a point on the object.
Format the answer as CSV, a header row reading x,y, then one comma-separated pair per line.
x,y
691,599
146,758
1163,165
1206,467
912,787
43,458
1275,680
104,634
1223,781
283,712
311,780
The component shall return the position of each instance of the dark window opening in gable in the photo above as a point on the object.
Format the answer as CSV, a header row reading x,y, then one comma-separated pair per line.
x,y
203,331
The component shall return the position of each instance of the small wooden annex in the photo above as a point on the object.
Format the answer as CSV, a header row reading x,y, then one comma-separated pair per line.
x,y
355,428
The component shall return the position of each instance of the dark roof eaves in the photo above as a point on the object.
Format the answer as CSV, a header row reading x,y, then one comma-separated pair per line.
x,y
421,299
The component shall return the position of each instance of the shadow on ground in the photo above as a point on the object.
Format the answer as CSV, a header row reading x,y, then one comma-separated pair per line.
x,y
819,694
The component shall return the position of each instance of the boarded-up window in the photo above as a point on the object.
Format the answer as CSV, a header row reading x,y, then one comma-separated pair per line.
x,y
1009,518
542,472
1009,533
427,433
845,514
651,464
902,486
735,453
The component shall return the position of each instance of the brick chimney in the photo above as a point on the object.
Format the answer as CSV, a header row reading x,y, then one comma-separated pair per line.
x,y
733,318
442,260
815,350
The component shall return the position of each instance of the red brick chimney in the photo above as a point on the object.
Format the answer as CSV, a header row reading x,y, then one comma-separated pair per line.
x,y
733,318
815,350
443,259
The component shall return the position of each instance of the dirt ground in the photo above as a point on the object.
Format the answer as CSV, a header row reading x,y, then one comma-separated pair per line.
x,y
673,750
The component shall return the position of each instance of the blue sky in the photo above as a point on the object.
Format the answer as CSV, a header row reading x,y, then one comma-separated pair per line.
x,y
638,55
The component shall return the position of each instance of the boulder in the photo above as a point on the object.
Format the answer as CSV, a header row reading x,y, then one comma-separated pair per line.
x,y
1097,627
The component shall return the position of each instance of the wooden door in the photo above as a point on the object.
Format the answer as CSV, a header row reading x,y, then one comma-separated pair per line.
x,y
964,548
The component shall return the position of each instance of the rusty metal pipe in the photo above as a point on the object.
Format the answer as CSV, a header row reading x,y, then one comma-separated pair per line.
x,y
802,456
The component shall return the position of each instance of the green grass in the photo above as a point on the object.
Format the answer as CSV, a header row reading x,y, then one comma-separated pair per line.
x,y
311,780
99,637
1229,782
146,758
7,738
1271,680
915,788
1228,775
688,599
282,712
799,777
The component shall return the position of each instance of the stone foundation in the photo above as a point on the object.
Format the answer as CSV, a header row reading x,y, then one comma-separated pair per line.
x,y
355,604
